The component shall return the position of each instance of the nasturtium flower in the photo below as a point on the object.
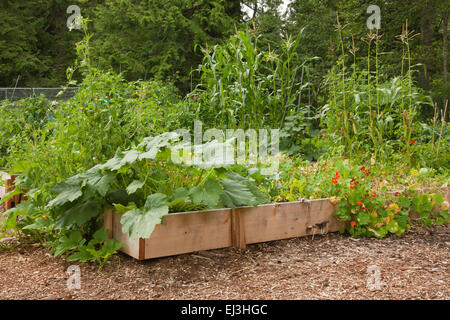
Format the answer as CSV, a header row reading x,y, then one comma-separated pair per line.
x,y
353,223
359,203
412,142
334,180
374,195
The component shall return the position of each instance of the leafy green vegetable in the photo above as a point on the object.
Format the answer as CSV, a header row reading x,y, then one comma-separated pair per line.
x,y
139,223
208,194
79,214
134,186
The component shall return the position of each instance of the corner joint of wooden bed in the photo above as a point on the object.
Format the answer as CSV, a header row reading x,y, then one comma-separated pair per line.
x,y
238,230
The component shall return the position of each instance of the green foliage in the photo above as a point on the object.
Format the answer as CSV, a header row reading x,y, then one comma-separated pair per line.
x,y
107,113
70,154
431,209
369,213
153,38
301,136
366,211
139,223
208,193
99,248
143,183
245,87
21,122
366,115
35,43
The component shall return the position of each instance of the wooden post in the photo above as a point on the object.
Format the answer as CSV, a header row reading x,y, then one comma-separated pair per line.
x,y
237,230
8,188
109,222
141,249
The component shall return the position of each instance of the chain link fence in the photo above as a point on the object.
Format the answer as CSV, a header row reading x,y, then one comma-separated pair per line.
x,y
14,94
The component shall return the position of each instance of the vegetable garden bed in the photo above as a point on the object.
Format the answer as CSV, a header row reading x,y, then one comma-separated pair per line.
x,y
207,230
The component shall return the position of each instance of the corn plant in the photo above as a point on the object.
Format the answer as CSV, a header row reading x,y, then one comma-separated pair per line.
x,y
367,114
244,87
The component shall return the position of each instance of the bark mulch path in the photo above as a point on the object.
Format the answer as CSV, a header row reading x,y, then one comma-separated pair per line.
x,y
414,266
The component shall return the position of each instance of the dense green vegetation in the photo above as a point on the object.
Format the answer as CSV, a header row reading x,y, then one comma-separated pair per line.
x,y
359,119
147,39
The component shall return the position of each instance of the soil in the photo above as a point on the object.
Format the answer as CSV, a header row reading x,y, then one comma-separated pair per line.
x,y
414,266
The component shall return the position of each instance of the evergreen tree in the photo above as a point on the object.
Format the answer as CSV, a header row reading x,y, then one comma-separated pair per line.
x,y
156,38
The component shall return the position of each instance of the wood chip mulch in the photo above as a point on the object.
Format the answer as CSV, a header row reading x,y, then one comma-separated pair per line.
x,y
414,266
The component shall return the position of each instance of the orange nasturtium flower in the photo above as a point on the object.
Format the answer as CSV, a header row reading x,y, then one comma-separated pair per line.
x,y
334,180
353,223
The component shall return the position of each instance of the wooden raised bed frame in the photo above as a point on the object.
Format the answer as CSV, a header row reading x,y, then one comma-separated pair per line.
x,y
207,230
9,186
216,229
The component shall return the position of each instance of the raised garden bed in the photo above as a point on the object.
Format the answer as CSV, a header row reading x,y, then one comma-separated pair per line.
x,y
207,230
9,186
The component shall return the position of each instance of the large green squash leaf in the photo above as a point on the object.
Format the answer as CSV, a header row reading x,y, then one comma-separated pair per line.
x,y
79,214
260,197
208,194
236,193
130,157
104,183
134,186
140,223
68,193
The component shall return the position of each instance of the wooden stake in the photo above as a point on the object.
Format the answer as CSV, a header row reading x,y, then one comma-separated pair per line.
x,y
108,222
237,230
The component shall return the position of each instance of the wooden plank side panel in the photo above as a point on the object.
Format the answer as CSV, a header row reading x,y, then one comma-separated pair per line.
x,y
288,220
131,245
190,232
207,230
322,216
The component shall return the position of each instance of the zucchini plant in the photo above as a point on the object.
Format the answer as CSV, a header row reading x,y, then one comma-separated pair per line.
x,y
143,183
